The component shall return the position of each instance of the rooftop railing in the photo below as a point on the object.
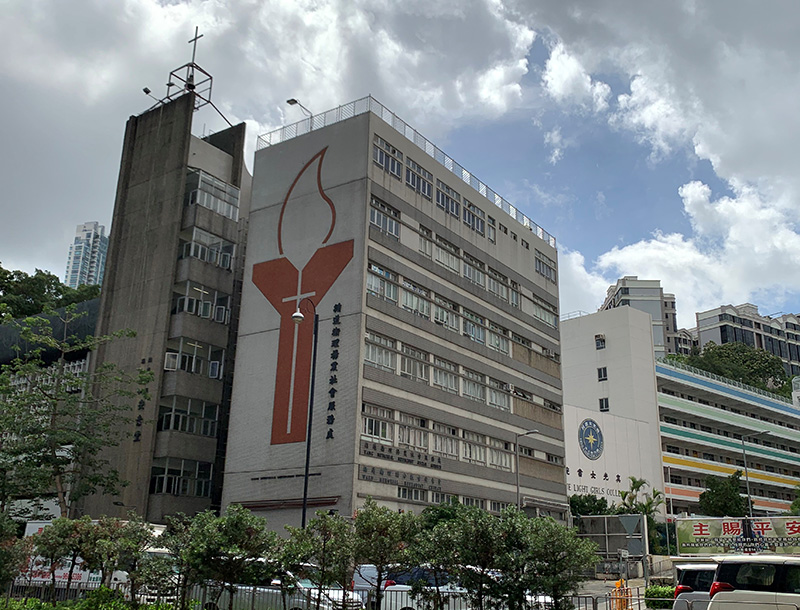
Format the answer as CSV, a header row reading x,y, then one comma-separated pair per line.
x,y
725,380
370,104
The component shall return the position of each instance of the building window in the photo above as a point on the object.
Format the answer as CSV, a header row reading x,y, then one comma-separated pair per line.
x,y
602,374
189,415
499,395
600,342
437,497
380,352
178,477
491,232
414,364
388,157
380,283
445,313
477,502
204,190
448,199
603,405
514,295
675,479
207,247
415,300
474,217
473,326
474,386
419,179
445,375
545,266
411,432
446,254
499,454
497,284
445,440
498,338
554,459
544,311
474,270
206,302
192,356
473,447
498,507
425,243
385,217
412,493
377,425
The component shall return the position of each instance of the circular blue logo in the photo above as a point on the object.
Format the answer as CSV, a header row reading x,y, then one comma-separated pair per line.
x,y
590,438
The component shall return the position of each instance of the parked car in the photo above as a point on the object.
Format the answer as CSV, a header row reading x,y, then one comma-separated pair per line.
x,y
693,583
305,595
756,581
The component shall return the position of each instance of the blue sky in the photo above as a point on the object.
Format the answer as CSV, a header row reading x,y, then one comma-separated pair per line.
x,y
651,138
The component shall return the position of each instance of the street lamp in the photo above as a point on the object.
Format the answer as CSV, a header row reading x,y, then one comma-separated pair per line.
x,y
298,318
746,473
517,436
294,102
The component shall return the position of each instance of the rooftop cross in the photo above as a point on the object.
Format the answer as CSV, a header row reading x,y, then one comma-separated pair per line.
x,y
193,42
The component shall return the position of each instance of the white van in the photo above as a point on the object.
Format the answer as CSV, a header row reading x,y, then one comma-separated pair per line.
x,y
756,581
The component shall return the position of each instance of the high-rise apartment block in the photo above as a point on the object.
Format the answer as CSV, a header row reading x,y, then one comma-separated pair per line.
x,y
649,296
86,261
173,276
433,365
778,335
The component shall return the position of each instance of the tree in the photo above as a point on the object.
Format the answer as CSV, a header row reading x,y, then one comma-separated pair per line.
x,y
435,545
227,547
745,364
328,540
55,544
12,555
513,562
59,417
479,546
558,557
113,544
182,569
722,497
381,536
588,504
28,295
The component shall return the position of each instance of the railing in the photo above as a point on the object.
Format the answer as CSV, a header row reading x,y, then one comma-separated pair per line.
x,y
370,104
725,380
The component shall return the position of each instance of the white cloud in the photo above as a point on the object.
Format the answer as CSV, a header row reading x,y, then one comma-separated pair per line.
x,y
580,290
554,140
718,79
566,80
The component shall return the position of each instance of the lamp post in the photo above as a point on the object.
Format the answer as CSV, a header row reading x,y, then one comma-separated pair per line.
x,y
293,102
746,472
298,318
517,436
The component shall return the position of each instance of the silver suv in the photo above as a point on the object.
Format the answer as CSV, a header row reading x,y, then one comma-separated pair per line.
x,y
693,585
756,581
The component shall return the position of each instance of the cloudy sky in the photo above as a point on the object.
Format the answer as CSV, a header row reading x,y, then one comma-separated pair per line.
x,y
652,138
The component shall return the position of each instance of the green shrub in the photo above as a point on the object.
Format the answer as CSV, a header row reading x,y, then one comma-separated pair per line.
x,y
103,599
29,604
659,596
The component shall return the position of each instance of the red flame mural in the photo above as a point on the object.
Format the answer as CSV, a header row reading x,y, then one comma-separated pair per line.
x,y
299,274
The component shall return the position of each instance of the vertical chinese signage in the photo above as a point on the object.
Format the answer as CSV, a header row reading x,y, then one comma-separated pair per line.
x,y
715,535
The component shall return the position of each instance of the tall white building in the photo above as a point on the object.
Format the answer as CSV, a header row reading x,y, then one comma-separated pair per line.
x,y
86,261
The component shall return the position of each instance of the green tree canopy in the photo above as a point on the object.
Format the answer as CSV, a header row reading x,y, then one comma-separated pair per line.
x,y
28,295
58,417
722,497
745,364
589,504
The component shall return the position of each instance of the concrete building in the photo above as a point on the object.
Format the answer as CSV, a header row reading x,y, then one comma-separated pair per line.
x,y
648,296
697,424
174,276
610,405
778,335
86,261
438,341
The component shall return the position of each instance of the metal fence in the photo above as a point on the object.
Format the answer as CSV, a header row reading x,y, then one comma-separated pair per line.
x,y
370,104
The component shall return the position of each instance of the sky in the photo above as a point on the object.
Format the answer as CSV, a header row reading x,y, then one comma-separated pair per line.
x,y
651,138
